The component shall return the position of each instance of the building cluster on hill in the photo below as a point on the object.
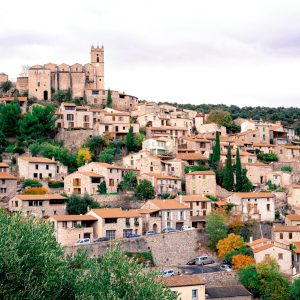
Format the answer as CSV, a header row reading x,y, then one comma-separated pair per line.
x,y
191,166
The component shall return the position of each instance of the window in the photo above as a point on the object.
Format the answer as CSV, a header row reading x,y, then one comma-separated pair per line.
x,y
194,294
50,175
111,234
280,256
94,92
36,167
110,220
203,205
3,190
65,224
47,167
290,235
16,203
74,224
126,232
268,207
70,117
281,236
3,181
76,182
111,182
127,221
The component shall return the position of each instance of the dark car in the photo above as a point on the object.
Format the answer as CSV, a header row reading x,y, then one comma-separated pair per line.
x,y
150,232
132,235
102,239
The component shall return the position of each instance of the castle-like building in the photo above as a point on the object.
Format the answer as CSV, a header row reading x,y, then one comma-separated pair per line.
x,y
44,80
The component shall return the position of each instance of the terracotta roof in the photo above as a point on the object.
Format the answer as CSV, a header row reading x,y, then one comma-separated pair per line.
x,y
110,166
32,159
91,174
221,202
21,99
191,156
282,228
168,204
187,280
297,244
147,210
292,147
74,218
5,175
258,241
82,107
116,114
68,104
262,248
254,195
192,198
293,217
207,172
258,164
262,145
115,213
3,165
41,197
242,153
167,128
161,176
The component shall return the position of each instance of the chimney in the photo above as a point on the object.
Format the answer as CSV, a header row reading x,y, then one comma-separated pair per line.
x,y
251,239
53,159
180,198
164,200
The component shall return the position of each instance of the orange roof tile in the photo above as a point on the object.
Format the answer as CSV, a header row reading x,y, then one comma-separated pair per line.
x,y
41,197
262,248
91,174
110,166
187,280
192,198
254,195
5,175
168,204
33,159
293,217
68,104
162,176
74,218
115,213
191,156
258,241
282,228
3,165
21,99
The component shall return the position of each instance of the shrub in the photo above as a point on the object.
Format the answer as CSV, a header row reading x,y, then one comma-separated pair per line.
x,y
240,260
287,169
31,183
55,184
243,250
267,157
212,198
35,191
188,169
230,243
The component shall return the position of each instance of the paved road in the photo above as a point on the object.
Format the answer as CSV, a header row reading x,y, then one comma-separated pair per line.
x,y
188,270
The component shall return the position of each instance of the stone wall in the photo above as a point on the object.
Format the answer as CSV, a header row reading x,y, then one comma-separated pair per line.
x,y
220,279
296,169
168,250
222,193
74,138
118,200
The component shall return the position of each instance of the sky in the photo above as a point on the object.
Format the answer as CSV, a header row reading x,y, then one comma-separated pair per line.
x,y
234,52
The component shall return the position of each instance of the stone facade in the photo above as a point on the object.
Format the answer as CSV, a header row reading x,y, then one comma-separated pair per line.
x,y
3,77
22,84
212,128
286,234
8,187
258,173
201,183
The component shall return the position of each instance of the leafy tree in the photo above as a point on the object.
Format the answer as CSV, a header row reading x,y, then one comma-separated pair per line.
x,y
35,149
129,182
238,172
95,144
239,261
144,190
138,142
107,155
295,290
216,151
109,99
3,141
216,228
36,191
31,183
6,86
102,189
267,157
287,169
188,169
9,117
230,243
248,277
83,155
48,274
228,180
78,205
246,183
63,96
130,140
243,250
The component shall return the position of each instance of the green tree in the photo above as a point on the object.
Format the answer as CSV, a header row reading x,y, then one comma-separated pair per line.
x,y
216,228
216,151
9,117
267,157
246,183
144,190
78,205
107,155
31,183
109,99
102,189
48,274
6,86
238,172
220,117
228,180
242,250
35,149
95,144
3,141
129,182
130,140
295,290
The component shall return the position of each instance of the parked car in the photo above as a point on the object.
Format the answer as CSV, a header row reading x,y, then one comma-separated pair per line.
x,y
226,262
83,242
132,235
225,267
101,239
201,260
151,232
187,228
168,230
168,273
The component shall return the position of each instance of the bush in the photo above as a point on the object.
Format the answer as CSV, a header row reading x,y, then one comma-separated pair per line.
x,y
144,190
212,198
31,183
35,191
55,184
6,86
188,169
267,157
78,204
287,169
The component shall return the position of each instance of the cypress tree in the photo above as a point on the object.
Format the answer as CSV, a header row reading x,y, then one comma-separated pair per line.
x,y
228,180
130,140
216,151
109,99
238,173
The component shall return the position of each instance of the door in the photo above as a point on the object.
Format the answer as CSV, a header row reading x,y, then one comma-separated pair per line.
x,y
45,95
179,225
86,235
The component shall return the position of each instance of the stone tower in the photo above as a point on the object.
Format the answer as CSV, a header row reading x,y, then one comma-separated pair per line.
x,y
97,60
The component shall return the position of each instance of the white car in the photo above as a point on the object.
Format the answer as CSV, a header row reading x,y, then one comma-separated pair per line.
x,y
187,227
83,242
168,273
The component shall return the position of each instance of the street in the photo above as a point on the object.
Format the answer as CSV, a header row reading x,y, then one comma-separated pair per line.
x,y
188,270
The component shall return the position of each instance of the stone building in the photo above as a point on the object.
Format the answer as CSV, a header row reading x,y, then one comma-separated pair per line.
x,y
158,146
293,197
288,153
201,183
8,186
22,84
68,229
286,234
199,145
40,168
292,220
166,131
39,205
212,128
3,77
4,167
258,173
116,223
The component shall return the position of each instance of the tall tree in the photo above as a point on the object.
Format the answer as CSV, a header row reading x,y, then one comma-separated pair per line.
x,y
102,189
238,172
228,180
130,140
109,99
216,151
9,117
144,190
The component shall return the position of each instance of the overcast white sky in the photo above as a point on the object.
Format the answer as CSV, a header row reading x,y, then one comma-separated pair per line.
x,y
242,52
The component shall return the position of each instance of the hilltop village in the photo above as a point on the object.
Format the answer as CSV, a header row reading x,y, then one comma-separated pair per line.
x,y
203,195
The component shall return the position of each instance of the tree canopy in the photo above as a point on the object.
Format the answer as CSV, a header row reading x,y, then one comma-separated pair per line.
x,y
78,205
144,190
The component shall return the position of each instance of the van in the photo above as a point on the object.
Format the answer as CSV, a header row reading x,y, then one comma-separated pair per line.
x,y
201,260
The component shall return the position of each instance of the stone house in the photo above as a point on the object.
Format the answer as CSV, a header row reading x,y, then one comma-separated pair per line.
x,y
40,168
201,183
144,162
288,153
116,223
246,157
173,167
165,213
192,159
82,183
163,183
280,178
39,205
68,229
251,136
199,120
188,287
4,167
293,197
199,145
166,131
264,147
212,128
158,146
8,185
286,234
258,173
265,249
278,134
113,174
144,108
182,122
258,206
292,220
228,292
153,119
200,207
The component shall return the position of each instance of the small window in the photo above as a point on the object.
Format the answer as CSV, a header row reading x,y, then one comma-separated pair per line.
x,y
47,167
36,167
281,236
290,235
280,256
